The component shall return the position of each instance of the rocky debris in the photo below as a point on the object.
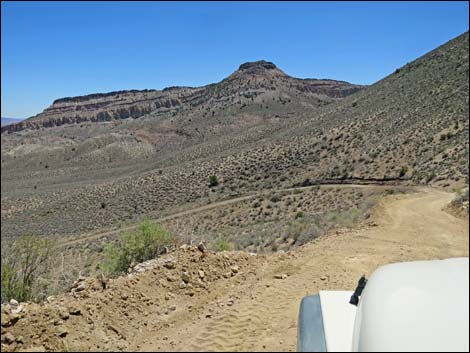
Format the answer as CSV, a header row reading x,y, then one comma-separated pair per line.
x,y
157,288
170,264
280,276
9,319
63,313
171,278
185,277
82,286
79,285
57,322
6,308
201,247
62,331
17,310
74,310
12,308
8,338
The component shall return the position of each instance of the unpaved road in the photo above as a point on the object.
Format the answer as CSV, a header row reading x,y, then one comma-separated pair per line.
x,y
97,235
264,313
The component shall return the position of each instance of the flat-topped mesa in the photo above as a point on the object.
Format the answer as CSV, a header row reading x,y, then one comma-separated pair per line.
x,y
260,64
259,67
103,107
99,95
99,107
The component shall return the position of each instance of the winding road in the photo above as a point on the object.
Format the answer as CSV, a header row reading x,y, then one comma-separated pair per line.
x,y
263,316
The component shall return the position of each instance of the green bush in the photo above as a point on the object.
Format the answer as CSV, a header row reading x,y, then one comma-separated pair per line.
x,y
213,181
299,214
145,243
223,245
23,266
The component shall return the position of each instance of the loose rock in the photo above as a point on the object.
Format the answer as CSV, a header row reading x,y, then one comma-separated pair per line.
x,y
185,277
201,247
62,331
8,338
73,310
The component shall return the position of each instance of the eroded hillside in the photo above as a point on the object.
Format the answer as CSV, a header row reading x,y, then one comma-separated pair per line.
x,y
259,129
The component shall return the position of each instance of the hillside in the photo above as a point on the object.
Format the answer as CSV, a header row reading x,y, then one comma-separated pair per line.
x,y
412,125
86,160
259,129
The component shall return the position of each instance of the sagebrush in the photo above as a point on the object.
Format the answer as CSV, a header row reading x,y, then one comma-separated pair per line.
x,y
146,242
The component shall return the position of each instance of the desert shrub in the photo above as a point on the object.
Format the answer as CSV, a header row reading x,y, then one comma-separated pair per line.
x,y
462,196
299,214
103,204
403,171
431,177
213,181
23,267
146,242
223,245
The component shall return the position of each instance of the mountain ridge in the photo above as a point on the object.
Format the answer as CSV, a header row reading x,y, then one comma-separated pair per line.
x,y
125,104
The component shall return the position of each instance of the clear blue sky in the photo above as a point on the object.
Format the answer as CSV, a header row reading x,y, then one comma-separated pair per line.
x,y
53,49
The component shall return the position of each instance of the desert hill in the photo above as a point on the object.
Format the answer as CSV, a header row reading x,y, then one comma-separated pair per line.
x,y
258,129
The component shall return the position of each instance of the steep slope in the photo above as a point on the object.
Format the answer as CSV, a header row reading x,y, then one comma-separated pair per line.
x,y
411,125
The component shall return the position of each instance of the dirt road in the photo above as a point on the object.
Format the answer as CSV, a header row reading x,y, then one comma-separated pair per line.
x,y
264,312
111,232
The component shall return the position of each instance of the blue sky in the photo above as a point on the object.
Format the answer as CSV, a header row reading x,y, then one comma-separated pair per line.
x,y
52,49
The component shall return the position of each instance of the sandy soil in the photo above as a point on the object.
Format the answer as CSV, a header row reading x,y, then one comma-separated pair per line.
x,y
403,228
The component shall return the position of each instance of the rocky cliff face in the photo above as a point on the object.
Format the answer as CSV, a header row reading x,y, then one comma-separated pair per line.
x,y
251,78
104,107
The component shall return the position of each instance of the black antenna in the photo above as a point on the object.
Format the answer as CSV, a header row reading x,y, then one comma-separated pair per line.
x,y
357,293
